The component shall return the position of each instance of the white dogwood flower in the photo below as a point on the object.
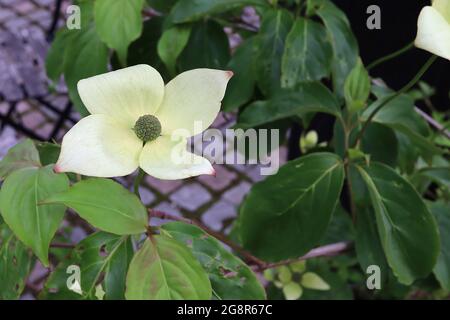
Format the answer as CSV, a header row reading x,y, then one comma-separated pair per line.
x,y
433,33
133,120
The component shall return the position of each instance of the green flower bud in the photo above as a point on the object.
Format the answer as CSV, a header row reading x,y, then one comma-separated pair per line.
x,y
147,128
292,291
357,88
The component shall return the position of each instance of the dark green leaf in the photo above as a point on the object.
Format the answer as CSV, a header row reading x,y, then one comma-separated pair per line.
x,y
20,196
242,85
407,230
103,258
208,47
22,155
275,27
441,212
381,144
438,175
48,152
106,205
400,115
85,56
308,54
162,5
287,214
15,265
166,269
230,277
307,97
343,41
188,10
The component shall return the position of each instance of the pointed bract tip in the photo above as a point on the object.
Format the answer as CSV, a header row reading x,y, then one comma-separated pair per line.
x,y
230,74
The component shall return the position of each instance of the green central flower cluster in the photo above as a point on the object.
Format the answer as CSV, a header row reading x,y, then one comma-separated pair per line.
x,y
147,128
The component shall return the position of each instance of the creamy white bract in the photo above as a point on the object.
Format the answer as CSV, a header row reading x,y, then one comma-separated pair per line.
x,y
104,143
433,33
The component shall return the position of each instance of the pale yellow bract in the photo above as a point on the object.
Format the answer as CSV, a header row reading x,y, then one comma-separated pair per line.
x,y
433,33
104,144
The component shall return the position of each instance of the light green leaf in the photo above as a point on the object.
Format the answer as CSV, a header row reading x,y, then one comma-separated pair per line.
x,y
306,98
407,230
241,87
441,212
22,155
293,207
275,27
357,88
284,274
118,23
165,269
106,205
343,41
231,279
310,280
292,291
307,55
103,259
171,45
20,195
188,11
15,265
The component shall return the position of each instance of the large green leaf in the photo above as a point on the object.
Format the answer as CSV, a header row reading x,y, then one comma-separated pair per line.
x,y
407,230
230,277
20,198
165,269
106,205
441,211
171,45
103,258
22,155
118,23
343,41
15,265
208,47
287,214
241,87
275,27
188,10
369,250
308,54
307,97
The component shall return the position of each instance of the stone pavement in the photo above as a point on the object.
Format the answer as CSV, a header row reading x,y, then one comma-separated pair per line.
x,y
214,200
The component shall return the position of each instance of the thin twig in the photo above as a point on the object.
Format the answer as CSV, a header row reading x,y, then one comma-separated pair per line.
x,y
258,264
329,250
439,127
393,96
247,255
62,245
